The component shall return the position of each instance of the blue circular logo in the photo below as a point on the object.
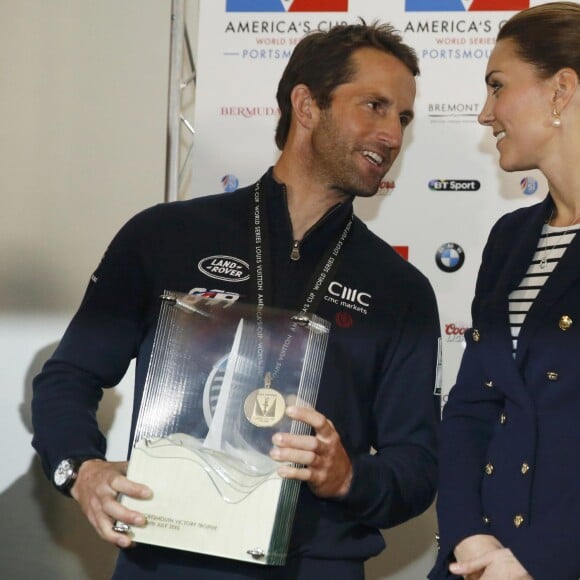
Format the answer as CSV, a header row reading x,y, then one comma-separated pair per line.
x,y
230,183
450,257
529,185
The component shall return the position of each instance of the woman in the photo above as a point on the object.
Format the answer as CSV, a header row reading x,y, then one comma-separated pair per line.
x,y
509,499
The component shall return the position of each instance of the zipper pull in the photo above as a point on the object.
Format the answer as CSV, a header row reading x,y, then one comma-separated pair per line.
x,y
295,253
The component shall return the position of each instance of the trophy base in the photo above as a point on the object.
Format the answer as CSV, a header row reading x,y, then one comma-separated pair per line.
x,y
204,506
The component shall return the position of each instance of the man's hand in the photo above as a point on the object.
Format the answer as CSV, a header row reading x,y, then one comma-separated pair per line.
x,y
327,466
496,564
96,489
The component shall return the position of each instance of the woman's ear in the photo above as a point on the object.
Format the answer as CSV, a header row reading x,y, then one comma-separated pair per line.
x,y
565,85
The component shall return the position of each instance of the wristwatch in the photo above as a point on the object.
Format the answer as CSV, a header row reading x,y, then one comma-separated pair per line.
x,y
66,473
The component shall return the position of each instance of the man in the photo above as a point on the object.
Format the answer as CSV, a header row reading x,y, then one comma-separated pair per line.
x,y
346,98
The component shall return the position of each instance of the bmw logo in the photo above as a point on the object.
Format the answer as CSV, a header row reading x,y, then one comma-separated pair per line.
x,y
450,257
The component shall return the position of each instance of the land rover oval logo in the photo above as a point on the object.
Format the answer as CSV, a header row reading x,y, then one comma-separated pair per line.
x,y
225,268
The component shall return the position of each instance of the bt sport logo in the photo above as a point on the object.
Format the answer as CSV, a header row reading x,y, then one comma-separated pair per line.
x,y
454,185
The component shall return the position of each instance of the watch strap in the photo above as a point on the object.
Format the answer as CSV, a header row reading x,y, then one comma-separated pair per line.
x,y
66,472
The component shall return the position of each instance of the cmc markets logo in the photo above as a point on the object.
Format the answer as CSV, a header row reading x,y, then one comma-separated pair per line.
x,y
286,5
529,185
465,5
350,298
450,257
454,185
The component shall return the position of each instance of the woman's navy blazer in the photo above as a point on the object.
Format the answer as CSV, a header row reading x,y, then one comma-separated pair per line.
x,y
510,448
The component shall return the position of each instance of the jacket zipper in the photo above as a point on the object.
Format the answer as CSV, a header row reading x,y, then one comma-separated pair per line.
x,y
295,252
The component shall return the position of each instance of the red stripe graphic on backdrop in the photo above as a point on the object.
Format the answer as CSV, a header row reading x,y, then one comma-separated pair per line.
x,y
319,6
498,5
403,251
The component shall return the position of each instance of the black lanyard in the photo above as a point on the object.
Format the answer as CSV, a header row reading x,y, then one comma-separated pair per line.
x,y
259,241
262,292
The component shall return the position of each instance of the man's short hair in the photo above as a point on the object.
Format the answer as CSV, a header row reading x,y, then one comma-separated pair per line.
x,y
322,61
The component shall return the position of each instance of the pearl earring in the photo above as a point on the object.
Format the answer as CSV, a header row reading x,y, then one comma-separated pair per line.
x,y
556,121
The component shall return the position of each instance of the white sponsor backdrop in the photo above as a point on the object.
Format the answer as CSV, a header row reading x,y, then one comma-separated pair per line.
x,y
241,58
420,205
84,124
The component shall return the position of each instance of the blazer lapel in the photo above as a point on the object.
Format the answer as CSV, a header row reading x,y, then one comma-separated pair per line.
x,y
566,273
523,239
524,242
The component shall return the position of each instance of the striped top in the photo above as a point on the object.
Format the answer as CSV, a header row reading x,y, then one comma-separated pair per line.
x,y
551,246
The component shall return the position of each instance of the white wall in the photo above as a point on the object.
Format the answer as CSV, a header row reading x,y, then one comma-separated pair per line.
x,y
82,148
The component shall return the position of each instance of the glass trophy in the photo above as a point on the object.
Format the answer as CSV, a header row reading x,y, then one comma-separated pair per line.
x,y
220,377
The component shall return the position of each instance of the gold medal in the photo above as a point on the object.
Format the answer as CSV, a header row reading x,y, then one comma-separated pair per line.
x,y
264,407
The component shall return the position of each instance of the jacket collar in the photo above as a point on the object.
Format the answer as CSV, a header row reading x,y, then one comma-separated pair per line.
x,y
566,273
323,232
524,244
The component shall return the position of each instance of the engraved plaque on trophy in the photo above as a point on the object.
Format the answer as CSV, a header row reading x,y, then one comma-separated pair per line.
x,y
220,377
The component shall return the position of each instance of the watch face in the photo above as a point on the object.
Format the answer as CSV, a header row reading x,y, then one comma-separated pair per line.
x,y
63,473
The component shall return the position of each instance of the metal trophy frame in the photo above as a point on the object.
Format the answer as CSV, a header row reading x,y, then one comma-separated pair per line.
x,y
219,379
